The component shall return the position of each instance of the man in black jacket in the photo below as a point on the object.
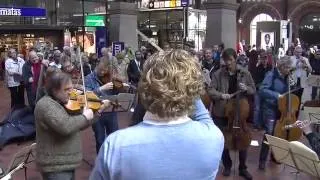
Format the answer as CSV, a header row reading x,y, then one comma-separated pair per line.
x,y
134,68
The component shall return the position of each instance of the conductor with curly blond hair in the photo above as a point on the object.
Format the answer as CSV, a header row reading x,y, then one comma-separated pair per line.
x,y
177,138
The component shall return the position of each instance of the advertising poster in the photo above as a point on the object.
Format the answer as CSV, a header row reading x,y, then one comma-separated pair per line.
x,y
88,40
267,40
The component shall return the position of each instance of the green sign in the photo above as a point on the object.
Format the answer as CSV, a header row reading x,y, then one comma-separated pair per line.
x,y
95,21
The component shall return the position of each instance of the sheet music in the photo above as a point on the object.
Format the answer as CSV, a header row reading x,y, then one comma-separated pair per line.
x,y
125,100
312,114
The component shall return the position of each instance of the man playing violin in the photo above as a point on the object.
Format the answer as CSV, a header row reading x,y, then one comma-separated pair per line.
x,y
224,83
58,132
100,82
273,85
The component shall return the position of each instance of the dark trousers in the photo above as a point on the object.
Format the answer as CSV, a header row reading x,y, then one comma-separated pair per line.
x,y
226,159
65,175
264,151
30,95
106,125
17,96
314,93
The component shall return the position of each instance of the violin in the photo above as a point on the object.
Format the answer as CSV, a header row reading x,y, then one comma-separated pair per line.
x,y
116,81
77,101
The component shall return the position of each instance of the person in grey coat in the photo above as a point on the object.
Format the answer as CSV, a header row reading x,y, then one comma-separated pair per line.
x,y
58,131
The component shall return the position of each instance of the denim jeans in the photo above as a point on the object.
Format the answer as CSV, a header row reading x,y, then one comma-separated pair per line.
x,y
65,175
107,124
257,115
30,95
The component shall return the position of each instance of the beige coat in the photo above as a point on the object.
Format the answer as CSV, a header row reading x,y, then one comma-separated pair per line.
x,y
220,85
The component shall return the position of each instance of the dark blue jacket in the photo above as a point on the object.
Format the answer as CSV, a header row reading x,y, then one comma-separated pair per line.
x,y
93,83
272,86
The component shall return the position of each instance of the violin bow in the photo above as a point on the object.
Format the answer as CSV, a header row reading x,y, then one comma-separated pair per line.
x,y
83,84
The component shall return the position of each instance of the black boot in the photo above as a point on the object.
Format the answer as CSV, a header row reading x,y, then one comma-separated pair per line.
x,y
262,165
245,174
226,172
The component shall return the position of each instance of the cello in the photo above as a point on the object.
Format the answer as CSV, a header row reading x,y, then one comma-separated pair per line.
x,y
237,134
288,105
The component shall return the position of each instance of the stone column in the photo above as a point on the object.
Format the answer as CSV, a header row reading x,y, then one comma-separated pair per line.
x,y
51,13
221,23
123,23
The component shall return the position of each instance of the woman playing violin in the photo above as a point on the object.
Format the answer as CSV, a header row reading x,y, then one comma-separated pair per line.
x,y
100,81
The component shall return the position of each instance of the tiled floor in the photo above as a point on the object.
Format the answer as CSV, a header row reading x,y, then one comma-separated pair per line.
x,y
273,171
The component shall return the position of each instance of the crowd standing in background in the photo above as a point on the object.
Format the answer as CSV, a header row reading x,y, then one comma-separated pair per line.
x,y
265,73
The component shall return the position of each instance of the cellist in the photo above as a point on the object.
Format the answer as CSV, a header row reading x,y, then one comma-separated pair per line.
x,y
273,85
224,83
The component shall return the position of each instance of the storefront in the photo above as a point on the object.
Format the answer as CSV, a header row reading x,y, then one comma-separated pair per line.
x,y
94,38
17,30
23,38
35,23
173,22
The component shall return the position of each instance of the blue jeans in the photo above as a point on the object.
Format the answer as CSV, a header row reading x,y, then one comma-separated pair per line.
x,y
65,175
257,115
107,124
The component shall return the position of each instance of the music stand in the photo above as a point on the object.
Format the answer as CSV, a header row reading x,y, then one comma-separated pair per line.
x,y
305,159
124,102
313,115
280,149
20,160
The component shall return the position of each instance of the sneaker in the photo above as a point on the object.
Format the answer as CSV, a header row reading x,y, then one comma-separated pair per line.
x,y
245,174
226,172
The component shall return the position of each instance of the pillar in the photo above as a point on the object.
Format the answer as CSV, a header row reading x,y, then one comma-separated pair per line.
x,y
123,23
221,23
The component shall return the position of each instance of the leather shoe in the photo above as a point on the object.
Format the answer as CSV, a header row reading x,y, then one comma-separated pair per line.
x,y
226,172
245,174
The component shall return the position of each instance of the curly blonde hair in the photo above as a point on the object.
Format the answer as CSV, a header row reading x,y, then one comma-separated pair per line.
x,y
170,83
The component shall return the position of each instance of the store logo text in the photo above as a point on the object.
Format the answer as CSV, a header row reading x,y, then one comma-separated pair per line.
x,y
10,12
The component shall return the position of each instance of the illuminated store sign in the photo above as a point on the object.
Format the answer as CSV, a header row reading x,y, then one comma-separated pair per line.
x,y
164,4
95,21
5,11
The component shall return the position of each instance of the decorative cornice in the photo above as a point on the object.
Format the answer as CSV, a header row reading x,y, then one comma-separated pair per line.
x,y
123,8
221,5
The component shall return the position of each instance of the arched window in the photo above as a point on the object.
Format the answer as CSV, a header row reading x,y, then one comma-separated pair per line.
x,y
253,26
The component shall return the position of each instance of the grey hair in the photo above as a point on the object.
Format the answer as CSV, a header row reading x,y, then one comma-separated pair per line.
x,y
285,60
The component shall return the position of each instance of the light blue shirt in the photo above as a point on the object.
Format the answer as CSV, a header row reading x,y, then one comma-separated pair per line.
x,y
190,150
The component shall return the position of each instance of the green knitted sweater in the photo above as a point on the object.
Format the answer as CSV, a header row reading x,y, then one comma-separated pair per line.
x,y
58,136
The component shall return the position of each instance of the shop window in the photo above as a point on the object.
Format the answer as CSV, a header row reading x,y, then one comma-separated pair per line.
x,y
197,20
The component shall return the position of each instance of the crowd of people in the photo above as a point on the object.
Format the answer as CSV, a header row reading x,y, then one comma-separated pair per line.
x,y
173,134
